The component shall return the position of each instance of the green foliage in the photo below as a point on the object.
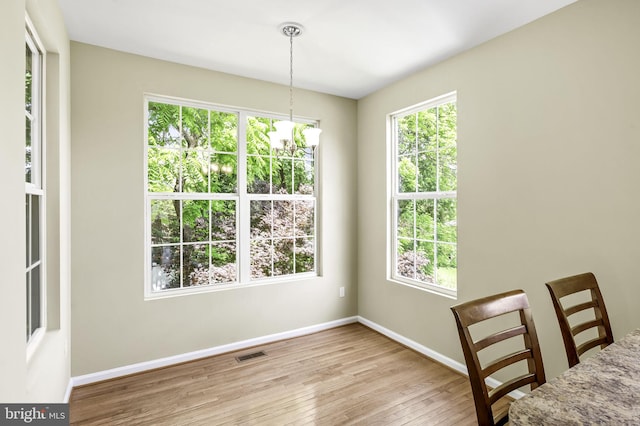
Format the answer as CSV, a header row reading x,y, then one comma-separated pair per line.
x,y
195,151
426,227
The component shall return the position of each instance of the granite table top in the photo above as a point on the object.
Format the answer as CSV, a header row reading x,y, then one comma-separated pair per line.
x,y
601,390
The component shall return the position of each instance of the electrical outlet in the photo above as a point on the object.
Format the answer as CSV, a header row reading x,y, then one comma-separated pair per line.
x,y
341,291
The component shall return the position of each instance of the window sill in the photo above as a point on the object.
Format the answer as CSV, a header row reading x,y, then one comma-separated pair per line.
x,y
437,290
224,287
34,343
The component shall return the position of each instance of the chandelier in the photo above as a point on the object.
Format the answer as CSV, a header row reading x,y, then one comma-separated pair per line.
x,y
282,137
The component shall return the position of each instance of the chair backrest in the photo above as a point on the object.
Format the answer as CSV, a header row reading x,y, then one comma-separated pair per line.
x,y
476,311
570,329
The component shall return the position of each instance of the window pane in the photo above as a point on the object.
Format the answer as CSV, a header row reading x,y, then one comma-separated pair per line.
x,y
405,213
447,132
195,220
224,131
28,310
406,266
448,170
257,136
407,135
447,230
305,251
224,173
261,258
281,176
304,218
35,293
283,257
223,221
28,152
164,125
35,228
427,174
163,170
165,267
259,174
195,264
427,127
223,260
425,262
28,79
261,219
165,225
195,127
28,229
303,177
283,218
424,219
447,264
195,171
407,174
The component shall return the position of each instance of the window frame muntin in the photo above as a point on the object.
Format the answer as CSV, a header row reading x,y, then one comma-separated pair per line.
x,y
243,202
395,196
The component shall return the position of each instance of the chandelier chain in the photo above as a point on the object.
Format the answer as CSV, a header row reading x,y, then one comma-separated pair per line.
x,y
282,137
291,76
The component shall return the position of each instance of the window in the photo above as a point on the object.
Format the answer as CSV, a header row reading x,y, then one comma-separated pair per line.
x,y
223,207
34,185
424,200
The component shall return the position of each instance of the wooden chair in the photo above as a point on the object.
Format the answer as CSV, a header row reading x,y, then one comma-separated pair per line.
x,y
571,285
476,311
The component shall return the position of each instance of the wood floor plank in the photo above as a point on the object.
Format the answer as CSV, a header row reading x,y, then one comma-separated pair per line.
x,y
349,375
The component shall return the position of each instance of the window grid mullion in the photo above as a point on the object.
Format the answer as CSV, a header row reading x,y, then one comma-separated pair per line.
x,y
416,153
243,205
435,202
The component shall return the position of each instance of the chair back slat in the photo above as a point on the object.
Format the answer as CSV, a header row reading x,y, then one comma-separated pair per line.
x,y
599,341
579,308
587,325
511,385
506,361
499,337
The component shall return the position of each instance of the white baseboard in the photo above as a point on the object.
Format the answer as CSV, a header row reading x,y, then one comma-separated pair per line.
x,y
67,393
436,356
190,356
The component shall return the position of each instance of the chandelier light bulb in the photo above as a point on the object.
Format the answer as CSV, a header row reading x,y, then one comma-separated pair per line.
x,y
312,136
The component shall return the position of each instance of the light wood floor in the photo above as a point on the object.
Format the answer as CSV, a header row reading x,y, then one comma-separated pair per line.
x,y
343,376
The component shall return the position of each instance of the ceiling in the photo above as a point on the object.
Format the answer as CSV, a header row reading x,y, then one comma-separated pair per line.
x,y
348,48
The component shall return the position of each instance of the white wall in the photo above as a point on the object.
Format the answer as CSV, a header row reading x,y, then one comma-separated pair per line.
x,y
549,141
44,378
12,293
112,324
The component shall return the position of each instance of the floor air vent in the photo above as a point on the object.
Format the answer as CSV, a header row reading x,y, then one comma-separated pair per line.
x,y
250,356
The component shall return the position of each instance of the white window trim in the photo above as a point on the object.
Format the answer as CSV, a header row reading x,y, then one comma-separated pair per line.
x,y
37,186
243,205
394,195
